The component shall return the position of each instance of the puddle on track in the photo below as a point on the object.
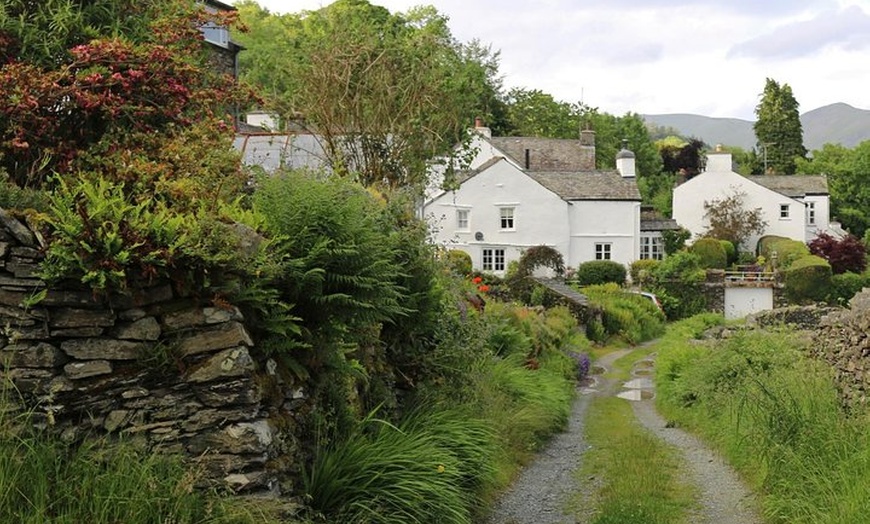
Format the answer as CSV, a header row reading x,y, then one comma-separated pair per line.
x,y
639,383
636,394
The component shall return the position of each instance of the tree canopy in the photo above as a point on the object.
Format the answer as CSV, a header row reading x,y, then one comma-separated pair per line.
x,y
848,173
778,128
386,92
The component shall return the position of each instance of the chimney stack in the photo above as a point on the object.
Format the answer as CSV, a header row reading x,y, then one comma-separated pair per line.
x,y
625,161
719,160
479,127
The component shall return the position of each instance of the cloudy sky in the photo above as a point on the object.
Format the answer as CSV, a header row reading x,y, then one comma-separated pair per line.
x,y
708,57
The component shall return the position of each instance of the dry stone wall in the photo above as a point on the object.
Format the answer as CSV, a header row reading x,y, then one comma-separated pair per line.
x,y
843,341
180,375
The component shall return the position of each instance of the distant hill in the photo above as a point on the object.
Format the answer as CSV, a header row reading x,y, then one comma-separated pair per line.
x,y
836,124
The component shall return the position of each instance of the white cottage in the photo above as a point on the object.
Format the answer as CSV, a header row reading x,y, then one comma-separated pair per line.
x,y
522,192
794,206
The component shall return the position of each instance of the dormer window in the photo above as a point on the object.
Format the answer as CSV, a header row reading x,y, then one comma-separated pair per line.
x,y
211,32
216,34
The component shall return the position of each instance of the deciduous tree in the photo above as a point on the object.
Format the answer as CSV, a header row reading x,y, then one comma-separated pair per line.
x,y
386,92
728,219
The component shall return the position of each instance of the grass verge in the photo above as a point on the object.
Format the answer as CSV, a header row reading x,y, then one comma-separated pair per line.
x,y
636,475
775,415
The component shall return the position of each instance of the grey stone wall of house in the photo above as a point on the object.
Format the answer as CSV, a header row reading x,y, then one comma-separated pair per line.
x,y
182,376
843,341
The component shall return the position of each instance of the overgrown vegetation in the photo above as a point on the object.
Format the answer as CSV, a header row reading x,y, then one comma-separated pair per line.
x,y
775,414
43,479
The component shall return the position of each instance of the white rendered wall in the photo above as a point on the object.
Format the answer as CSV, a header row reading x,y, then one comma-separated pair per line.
x,y
540,217
603,221
742,301
690,196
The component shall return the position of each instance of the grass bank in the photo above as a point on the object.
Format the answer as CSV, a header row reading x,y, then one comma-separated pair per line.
x,y
775,414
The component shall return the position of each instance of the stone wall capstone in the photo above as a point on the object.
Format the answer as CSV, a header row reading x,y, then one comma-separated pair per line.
x,y
178,373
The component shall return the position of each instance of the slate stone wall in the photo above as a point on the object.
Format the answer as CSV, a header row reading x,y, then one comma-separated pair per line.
x,y
179,374
843,341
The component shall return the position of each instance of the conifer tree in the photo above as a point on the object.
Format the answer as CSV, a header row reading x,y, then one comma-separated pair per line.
x,y
778,129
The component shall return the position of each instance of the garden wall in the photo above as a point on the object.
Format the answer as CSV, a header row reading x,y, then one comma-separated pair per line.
x,y
843,341
158,366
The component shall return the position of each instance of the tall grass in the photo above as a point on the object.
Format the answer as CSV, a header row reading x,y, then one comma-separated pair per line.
x,y
45,480
778,418
425,470
449,456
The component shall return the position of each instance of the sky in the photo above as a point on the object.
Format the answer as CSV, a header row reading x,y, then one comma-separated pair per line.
x,y
707,57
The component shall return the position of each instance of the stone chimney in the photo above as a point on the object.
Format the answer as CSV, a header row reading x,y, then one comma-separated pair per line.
x,y
625,161
587,138
480,128
719,160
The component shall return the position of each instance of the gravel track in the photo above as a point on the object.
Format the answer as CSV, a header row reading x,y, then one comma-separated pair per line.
x,y
542,489
540,492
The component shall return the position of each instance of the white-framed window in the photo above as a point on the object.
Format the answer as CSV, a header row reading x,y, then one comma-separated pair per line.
x,y
652,247
602,251
462,219
784,211
811,213
493,259
216,34
506,218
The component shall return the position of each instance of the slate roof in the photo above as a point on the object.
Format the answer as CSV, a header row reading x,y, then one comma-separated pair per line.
x,y
588,185
547,154
793,186
652,220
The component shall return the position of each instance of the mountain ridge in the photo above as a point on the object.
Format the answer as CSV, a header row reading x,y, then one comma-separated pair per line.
x,y
837,123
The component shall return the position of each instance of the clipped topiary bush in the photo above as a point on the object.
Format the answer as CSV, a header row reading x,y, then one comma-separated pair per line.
x,y
730,251
600,272
764,243
808,279
787,251
459,262
710,253
641,270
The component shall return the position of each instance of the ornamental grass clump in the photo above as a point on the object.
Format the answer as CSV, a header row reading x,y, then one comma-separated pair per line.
x,y
425,470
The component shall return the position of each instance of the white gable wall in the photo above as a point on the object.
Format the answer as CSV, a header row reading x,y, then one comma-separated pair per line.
x,y
540,217
606,222
822,209
690,196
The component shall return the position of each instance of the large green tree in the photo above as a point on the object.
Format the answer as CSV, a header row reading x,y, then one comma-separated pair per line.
x,y
778,128
848,172
386,91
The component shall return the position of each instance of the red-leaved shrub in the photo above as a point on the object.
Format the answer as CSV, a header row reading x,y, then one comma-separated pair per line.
x,y
847,254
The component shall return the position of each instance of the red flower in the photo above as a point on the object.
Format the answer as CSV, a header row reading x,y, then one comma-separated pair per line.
x,y
483,289
477,280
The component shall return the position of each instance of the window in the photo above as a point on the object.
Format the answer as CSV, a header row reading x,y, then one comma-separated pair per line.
x,y
783,211
462,219
602,251
493,259
507,218
216,34
652,247
811,213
